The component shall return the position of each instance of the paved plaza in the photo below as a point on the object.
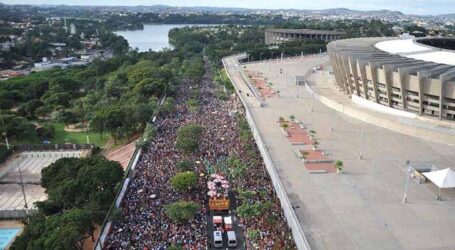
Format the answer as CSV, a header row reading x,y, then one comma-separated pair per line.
x,y
362,207
28,164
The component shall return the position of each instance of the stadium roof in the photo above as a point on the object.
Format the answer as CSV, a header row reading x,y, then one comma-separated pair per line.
x,y
411,49
308,31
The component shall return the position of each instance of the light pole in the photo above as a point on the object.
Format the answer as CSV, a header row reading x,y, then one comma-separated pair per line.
x,y
406,185
333,121
84,120
260,56
363,144
22,185
282,53
4,133
312,102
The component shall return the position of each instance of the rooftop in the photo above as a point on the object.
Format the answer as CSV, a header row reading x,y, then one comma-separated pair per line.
x,y
308,31
410,48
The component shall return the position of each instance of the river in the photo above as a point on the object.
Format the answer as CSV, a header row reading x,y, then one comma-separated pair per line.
x,y
153,36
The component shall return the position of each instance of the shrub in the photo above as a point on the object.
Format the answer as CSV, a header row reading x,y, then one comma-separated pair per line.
x,y
253,234
184,181
168,106
5,153
116,214
193,105
188,137
181,211
339,164
184,165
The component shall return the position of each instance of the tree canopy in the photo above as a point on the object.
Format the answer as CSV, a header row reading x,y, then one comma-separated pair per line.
x,y
188,137
181,211
80,192
184,181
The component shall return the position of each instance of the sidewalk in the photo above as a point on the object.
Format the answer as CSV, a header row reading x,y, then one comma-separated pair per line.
x,y
362,208
425,127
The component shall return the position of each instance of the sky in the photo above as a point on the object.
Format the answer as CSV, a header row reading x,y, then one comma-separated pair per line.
x,y
419,7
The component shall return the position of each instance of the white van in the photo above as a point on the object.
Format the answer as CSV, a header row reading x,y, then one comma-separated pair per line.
x,y
217,239
232,240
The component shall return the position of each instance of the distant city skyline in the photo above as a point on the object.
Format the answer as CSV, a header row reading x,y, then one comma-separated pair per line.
x,y
418,7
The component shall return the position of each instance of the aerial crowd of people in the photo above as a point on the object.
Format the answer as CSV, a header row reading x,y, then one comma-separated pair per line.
x,y
145,225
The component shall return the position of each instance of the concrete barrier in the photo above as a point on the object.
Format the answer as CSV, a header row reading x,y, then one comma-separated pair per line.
x,y
381,108
403,126
106,226
293,223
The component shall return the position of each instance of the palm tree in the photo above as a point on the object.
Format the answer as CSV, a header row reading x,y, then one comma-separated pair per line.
x,y
284,126
292,117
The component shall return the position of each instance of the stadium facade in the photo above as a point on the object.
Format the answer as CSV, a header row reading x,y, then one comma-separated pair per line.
x,y
278,36
415,75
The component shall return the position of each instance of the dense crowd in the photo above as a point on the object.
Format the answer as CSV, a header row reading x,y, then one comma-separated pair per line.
x,y
145,224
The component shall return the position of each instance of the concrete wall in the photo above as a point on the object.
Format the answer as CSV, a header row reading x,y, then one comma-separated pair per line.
x,y
297,231
409,128
277,37
398,87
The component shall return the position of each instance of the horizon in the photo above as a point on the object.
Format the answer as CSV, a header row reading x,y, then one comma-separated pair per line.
x,y
407,7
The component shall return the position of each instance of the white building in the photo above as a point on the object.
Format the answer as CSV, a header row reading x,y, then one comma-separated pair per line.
x,y
72,29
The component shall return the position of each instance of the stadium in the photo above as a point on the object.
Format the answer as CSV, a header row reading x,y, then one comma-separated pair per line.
x,y
407,74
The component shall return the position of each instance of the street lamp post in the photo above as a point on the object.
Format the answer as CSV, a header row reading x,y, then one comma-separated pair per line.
x,y
4,133
363,144
312,102
22,185
406,185
84,120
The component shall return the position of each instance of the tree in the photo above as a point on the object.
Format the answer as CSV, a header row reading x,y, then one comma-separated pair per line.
x,y
18,126
66,230
80,182
80,192
184,165
184,181
188,137
66,117
193,105
247,210
339,165
181,211
114,119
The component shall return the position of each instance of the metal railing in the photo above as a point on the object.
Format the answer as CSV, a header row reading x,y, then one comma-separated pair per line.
x,y
106,225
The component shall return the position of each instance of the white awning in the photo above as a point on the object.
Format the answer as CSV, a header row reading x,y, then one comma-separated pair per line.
x,y
444,178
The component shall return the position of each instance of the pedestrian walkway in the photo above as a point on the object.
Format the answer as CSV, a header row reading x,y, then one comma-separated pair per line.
x,y
361,208
425,127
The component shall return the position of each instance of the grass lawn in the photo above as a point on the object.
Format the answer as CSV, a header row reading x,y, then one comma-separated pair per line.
x,y
61,136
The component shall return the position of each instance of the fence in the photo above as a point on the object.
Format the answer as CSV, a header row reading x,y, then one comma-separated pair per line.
x,y
106,226
16,214
297,231
52,147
